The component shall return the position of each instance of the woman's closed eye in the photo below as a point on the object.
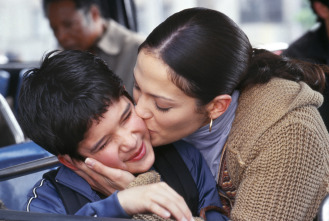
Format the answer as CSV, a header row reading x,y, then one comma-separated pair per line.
x,y
136,86
162,109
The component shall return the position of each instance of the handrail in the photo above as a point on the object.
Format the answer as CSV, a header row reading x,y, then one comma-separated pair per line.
x,y
128,5
32,216
10,118
28,167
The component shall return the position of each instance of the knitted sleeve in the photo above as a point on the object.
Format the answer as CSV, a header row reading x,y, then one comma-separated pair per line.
x,y
287,176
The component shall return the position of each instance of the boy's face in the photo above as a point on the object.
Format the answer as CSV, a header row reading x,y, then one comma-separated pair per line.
x,y
119,140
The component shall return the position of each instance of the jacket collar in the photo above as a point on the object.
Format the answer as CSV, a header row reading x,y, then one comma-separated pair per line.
x,y
112,42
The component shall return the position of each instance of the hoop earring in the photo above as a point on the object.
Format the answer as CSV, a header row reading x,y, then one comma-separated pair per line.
x,y
210,125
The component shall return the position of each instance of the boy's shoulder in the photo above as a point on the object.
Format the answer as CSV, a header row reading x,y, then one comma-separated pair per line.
x,y
44,198
187,151
70,179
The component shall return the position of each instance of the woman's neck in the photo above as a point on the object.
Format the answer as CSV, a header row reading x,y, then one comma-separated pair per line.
x,y
211,143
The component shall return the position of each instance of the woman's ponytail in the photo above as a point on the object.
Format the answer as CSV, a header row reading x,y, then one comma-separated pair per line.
x,y
265,65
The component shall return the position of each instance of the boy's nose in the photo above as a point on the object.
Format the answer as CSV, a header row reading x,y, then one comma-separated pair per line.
x,y
129,142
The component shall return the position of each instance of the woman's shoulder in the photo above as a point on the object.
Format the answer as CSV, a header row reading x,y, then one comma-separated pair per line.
x,y
279,87
264,105
266,122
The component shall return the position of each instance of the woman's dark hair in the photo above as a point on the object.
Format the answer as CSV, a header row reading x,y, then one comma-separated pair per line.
x,y
265,65
59,101
209,55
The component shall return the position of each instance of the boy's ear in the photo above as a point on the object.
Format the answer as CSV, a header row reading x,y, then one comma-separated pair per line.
x,y
218,105
67,161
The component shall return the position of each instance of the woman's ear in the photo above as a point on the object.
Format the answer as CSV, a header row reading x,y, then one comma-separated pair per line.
x,y
218,105
67,161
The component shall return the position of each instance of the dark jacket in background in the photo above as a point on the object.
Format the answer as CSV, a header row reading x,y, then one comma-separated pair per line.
x,y
313,47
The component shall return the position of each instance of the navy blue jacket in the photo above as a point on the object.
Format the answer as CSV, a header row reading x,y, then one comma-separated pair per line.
x,y
44,198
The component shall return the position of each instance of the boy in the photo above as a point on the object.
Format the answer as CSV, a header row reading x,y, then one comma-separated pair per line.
x,y
75,108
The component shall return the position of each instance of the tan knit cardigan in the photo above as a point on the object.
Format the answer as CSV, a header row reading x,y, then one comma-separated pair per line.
x,y
278,153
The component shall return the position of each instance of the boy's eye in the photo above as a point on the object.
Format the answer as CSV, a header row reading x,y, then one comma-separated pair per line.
x,y
102,147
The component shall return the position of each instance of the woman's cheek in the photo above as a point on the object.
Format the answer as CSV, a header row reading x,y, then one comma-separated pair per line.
x,y
136,95
168,120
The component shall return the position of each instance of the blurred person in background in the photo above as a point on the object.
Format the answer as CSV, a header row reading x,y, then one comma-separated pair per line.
x,y
79,25
313,47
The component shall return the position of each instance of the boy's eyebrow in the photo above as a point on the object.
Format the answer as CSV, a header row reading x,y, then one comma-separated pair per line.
x,y
123,115
95,147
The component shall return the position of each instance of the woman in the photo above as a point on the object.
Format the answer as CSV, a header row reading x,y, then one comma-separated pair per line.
x,y
252,114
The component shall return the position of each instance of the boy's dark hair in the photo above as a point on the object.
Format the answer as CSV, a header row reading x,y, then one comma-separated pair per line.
x,y
59,101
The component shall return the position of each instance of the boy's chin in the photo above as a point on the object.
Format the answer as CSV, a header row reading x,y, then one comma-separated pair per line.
x,y
146,167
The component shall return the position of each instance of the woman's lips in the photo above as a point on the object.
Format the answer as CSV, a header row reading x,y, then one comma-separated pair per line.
x,y
140,154
151,132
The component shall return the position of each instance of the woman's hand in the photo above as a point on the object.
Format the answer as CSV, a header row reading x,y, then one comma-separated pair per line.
x,y
103,179
156,198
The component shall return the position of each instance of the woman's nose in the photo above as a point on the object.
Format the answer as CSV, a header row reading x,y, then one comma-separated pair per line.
x,y
142,109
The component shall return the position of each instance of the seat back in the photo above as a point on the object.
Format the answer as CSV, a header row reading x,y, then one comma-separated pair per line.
x,y
22,165
4,82
19,84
